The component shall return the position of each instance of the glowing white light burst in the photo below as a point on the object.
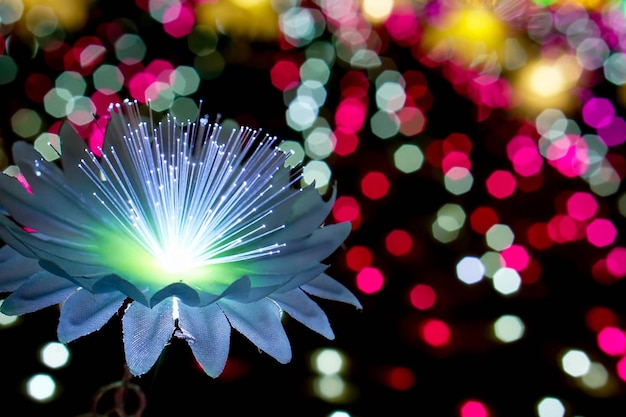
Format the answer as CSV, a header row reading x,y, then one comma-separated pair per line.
x,y
187,197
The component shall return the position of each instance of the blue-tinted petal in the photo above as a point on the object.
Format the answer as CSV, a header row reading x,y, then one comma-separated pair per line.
x,y
42,290
72,257
15,269
146,332
207,332
187,294
304,253
54,207
302,278
299,306
84,313
260,323
10,234
250,294
326,287
66,255
115,283
308,212
238,289
73,149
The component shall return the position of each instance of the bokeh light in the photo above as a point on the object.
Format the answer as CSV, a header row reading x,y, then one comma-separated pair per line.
x,y
475,147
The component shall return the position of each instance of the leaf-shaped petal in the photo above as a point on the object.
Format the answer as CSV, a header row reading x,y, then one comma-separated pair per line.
x,y
73,149
15,268
55,208
146,332
304,253
177,289
115,283
302,278
260,323
299,306
42,290
326,287
84,313
308,212
207,332
72,257
10,234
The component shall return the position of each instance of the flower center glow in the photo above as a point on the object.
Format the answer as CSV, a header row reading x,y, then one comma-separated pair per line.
x,y
180,198
176,260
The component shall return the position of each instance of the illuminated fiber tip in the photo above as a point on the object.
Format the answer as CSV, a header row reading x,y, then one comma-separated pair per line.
x,y
200,204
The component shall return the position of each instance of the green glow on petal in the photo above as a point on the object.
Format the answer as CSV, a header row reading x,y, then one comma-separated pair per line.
x,y
142,268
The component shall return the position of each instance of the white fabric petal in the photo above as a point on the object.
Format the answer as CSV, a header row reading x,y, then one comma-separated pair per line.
x,y
84,313
260,323
299,306
42,290
207,332
146,332
15,269
326,287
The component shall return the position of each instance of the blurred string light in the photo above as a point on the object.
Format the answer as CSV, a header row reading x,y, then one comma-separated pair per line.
x,y
41,18
538,61
508,328
330,367
550,407
248,19
54,355
41,388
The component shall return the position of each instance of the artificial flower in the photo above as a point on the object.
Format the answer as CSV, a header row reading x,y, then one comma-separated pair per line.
x,y
185,229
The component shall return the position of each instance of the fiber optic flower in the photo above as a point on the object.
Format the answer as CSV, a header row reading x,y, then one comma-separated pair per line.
x,y
187,230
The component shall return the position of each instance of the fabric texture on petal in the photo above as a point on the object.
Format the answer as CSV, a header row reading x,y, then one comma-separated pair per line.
x,y
15,269
84,313
327,287
41,290
299,306
260,323
146,332
207,333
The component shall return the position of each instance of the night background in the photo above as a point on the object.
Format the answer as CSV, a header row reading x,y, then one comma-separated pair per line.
x,y
476,147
